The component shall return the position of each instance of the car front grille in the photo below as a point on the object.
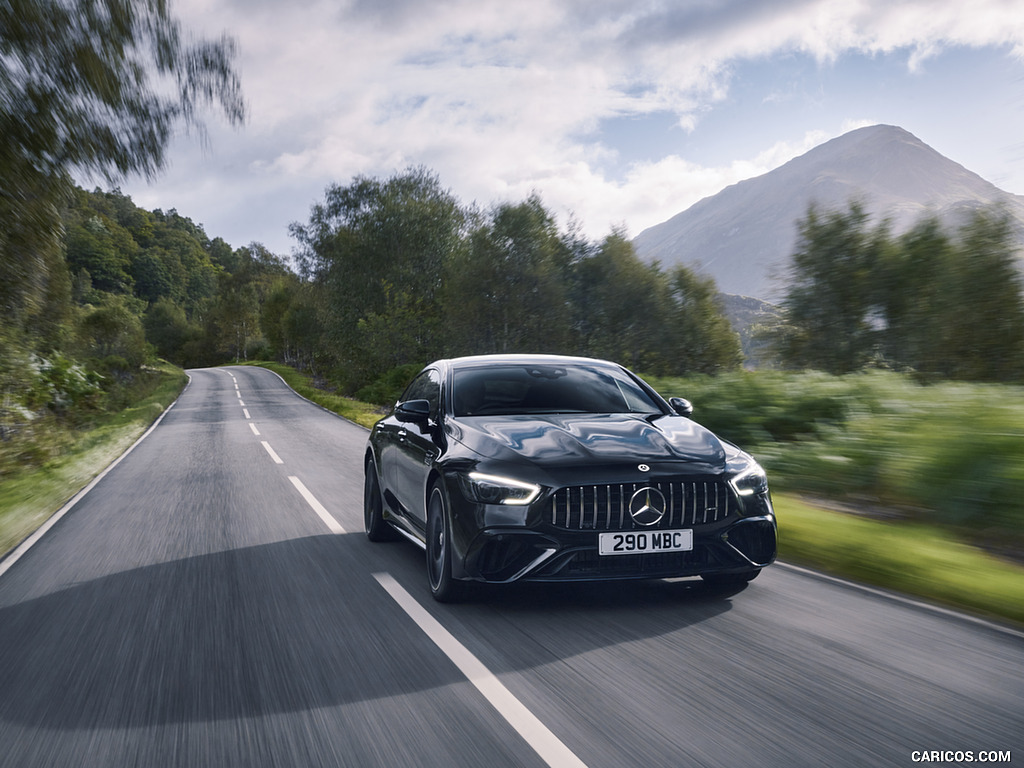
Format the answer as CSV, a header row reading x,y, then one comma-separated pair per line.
x,y
606,507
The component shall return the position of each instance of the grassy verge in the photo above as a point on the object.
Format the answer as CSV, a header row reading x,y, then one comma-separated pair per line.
x,y
908,557
29,497
353,410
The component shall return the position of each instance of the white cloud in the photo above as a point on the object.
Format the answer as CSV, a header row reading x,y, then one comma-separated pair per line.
x,y
502,99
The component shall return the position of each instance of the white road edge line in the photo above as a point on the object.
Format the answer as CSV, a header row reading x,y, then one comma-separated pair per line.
x,y
28,543
277,459
254,430
904,600
536,734
326,516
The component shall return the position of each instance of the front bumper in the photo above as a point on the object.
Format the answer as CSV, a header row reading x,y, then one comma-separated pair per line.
x,y
504,554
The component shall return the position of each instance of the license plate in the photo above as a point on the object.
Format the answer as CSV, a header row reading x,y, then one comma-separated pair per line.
x,y
637,542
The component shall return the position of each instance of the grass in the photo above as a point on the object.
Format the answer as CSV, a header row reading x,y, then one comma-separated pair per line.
x,y
908,557
30,496
353,410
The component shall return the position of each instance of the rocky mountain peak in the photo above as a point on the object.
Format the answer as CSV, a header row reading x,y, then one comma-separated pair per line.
x,y
744,235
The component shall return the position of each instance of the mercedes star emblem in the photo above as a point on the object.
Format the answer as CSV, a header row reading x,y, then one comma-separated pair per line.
x,y
647,506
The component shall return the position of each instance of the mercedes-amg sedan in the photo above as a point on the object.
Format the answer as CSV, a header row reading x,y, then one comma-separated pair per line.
x,y
548,468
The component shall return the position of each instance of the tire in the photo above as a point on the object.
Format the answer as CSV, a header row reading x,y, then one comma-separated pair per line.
x,y
377,528
730,579
443,587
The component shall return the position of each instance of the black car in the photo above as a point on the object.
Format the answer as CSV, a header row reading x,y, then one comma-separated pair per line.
x,y
549,468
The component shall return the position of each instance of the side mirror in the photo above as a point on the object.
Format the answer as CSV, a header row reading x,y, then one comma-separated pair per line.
x,y
681,406
413,410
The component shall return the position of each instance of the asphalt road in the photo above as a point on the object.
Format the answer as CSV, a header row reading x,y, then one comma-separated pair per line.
x,y
196,609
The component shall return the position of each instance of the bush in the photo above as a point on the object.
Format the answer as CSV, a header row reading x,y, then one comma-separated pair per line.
x,y
951,454
389,387
752,408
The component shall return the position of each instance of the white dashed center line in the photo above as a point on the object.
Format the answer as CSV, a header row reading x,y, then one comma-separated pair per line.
x,y
277,459
546,744
326,516
246,412
253,428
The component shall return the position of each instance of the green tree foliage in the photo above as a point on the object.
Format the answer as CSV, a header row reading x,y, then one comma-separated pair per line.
x,y
280,297
103,249
657,322
115,331
702,339
169,331
986,332
621,305
84,88
303,328
911,283
944,306
240,298
830,297
93,88
506,288
85,84
374,251
395,273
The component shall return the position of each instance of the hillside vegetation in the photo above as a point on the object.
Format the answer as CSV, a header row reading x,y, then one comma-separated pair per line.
x,y
881,445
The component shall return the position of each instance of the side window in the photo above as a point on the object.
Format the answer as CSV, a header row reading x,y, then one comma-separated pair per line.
x,y
426,386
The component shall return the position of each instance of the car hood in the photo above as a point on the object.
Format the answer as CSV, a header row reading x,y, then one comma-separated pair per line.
x,y
561,440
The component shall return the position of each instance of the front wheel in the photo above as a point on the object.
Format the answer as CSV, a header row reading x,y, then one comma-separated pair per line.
x,y
377,529
443,587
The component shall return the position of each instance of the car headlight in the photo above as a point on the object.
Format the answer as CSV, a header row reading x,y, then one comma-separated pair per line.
x,y
750,481
494,489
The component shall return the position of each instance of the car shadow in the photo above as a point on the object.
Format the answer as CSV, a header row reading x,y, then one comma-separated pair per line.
x,y
291,626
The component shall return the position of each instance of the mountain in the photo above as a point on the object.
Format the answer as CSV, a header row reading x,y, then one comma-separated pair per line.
x,y
743,236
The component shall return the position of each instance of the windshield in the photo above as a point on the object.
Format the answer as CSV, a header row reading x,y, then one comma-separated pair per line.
x,y
505,388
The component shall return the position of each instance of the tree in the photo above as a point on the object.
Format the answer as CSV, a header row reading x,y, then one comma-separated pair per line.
x,y
240,298
105,250
84,85
375,251
829,300
115,331
985,328
925,301
283,292
168,330
912,285
620,305
90,87
701,339
84,89
507,289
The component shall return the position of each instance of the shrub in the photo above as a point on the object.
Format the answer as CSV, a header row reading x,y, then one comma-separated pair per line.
x,y
389,387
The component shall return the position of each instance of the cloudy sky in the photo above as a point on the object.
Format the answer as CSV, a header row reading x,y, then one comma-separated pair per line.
x,y
619,113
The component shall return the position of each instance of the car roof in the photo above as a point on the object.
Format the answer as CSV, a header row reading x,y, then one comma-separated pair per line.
x,y
474,360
